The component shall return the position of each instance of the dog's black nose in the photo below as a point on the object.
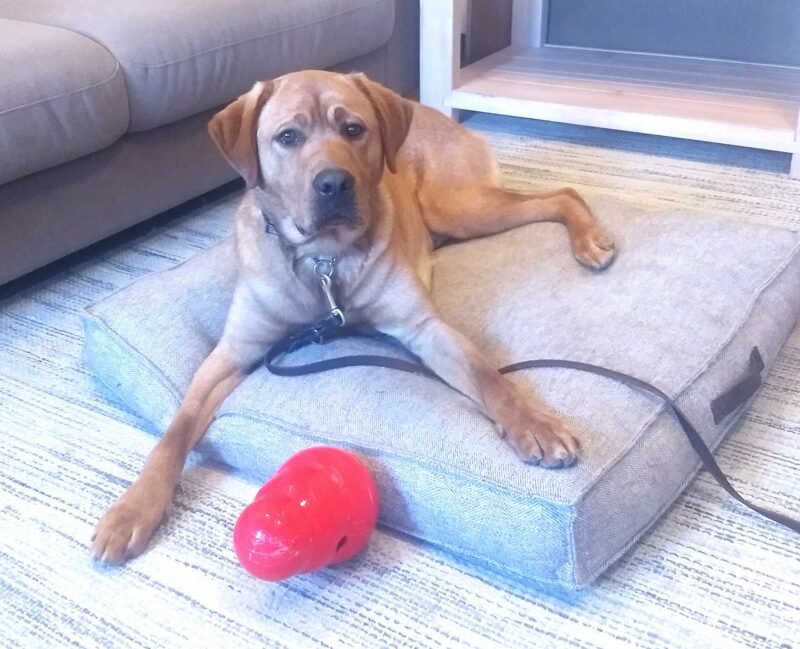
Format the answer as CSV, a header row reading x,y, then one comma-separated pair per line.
x,y
333,184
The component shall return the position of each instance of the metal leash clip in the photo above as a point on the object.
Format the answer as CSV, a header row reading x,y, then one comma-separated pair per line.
x,y
323,269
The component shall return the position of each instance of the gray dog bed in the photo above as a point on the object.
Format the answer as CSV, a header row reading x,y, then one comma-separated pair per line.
x,y
682,308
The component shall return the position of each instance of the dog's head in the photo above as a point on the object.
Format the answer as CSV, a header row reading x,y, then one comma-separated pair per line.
x,y
314,146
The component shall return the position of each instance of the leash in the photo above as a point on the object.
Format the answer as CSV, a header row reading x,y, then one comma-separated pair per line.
x,y
331,328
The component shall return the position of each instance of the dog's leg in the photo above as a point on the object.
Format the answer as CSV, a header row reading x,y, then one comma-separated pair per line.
x,y
128,525
533,430
475,211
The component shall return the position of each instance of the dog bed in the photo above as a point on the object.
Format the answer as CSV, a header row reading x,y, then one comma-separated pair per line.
x,y
683,306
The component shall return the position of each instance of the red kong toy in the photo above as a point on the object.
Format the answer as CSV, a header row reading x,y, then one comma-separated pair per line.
x,y
318,509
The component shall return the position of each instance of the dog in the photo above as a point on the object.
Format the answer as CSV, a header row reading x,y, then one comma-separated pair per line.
x,y
341,170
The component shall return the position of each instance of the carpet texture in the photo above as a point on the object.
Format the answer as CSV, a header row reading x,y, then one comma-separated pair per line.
x,y
710,572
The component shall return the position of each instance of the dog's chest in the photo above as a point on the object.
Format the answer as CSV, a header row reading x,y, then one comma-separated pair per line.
x,y
322,284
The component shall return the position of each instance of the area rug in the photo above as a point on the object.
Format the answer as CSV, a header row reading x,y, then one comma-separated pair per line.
x,y
709,574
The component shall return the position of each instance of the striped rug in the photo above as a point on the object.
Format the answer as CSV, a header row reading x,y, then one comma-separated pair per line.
x,y
709,575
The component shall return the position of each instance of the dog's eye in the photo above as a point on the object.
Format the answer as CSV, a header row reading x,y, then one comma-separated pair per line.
x,y
289,137
352,130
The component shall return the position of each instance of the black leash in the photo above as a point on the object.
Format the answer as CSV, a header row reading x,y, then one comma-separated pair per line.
x,y
330,328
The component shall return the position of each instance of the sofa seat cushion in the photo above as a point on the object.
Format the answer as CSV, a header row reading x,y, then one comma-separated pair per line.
x,y
61,96
185,56
682,307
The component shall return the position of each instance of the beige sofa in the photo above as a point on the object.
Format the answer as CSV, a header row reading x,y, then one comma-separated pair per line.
x,y
104,105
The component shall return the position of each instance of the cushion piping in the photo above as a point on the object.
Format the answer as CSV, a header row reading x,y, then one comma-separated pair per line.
x,y
67,93
248,415
660,408
252,38
139,360
173,395
714,442
329,436
590,577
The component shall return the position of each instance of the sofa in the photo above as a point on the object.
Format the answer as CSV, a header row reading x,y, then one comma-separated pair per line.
x,y
104,106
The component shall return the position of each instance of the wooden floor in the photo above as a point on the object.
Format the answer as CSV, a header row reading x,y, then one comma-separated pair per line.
x,y
716,101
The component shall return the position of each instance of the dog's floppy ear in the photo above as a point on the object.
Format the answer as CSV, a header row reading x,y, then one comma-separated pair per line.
x,y
233,130
394,116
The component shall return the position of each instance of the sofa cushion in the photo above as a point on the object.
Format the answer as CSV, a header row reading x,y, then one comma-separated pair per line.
x,y
185,56
682,307
61,96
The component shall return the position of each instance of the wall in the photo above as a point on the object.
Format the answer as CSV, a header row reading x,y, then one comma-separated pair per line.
x,y
758,31
490,27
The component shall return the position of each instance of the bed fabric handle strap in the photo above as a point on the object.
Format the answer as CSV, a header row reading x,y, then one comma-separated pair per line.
x,y
729,401
740,393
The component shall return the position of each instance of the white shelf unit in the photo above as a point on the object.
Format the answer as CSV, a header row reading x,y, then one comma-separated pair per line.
x,y
726,102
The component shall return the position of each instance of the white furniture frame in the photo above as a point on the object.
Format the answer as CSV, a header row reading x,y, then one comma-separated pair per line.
x,y
741,104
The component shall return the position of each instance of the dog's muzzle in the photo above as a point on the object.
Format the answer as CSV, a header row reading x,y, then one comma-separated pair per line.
x,y
335,203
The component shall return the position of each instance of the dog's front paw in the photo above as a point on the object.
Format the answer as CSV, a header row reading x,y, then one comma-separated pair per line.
x,y
594,247
125,529
541,438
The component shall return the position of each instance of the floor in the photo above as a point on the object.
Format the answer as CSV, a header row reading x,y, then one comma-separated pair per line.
x,y
710,573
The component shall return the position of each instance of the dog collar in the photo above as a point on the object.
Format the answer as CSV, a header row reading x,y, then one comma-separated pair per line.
x,y
270,228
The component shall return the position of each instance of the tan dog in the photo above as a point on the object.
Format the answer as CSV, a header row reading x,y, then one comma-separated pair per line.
x,y
340,167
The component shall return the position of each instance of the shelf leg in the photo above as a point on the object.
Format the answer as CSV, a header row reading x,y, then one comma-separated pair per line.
x,y
794,165
439,52
529,23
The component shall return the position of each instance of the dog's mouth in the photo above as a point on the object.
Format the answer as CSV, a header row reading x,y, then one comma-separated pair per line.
x,y
329,226
332,226
327,217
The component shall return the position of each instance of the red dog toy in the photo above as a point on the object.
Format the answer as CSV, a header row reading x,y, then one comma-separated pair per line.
x,y
319,509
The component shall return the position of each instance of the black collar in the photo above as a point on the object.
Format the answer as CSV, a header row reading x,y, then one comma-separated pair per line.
x,y
270,228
